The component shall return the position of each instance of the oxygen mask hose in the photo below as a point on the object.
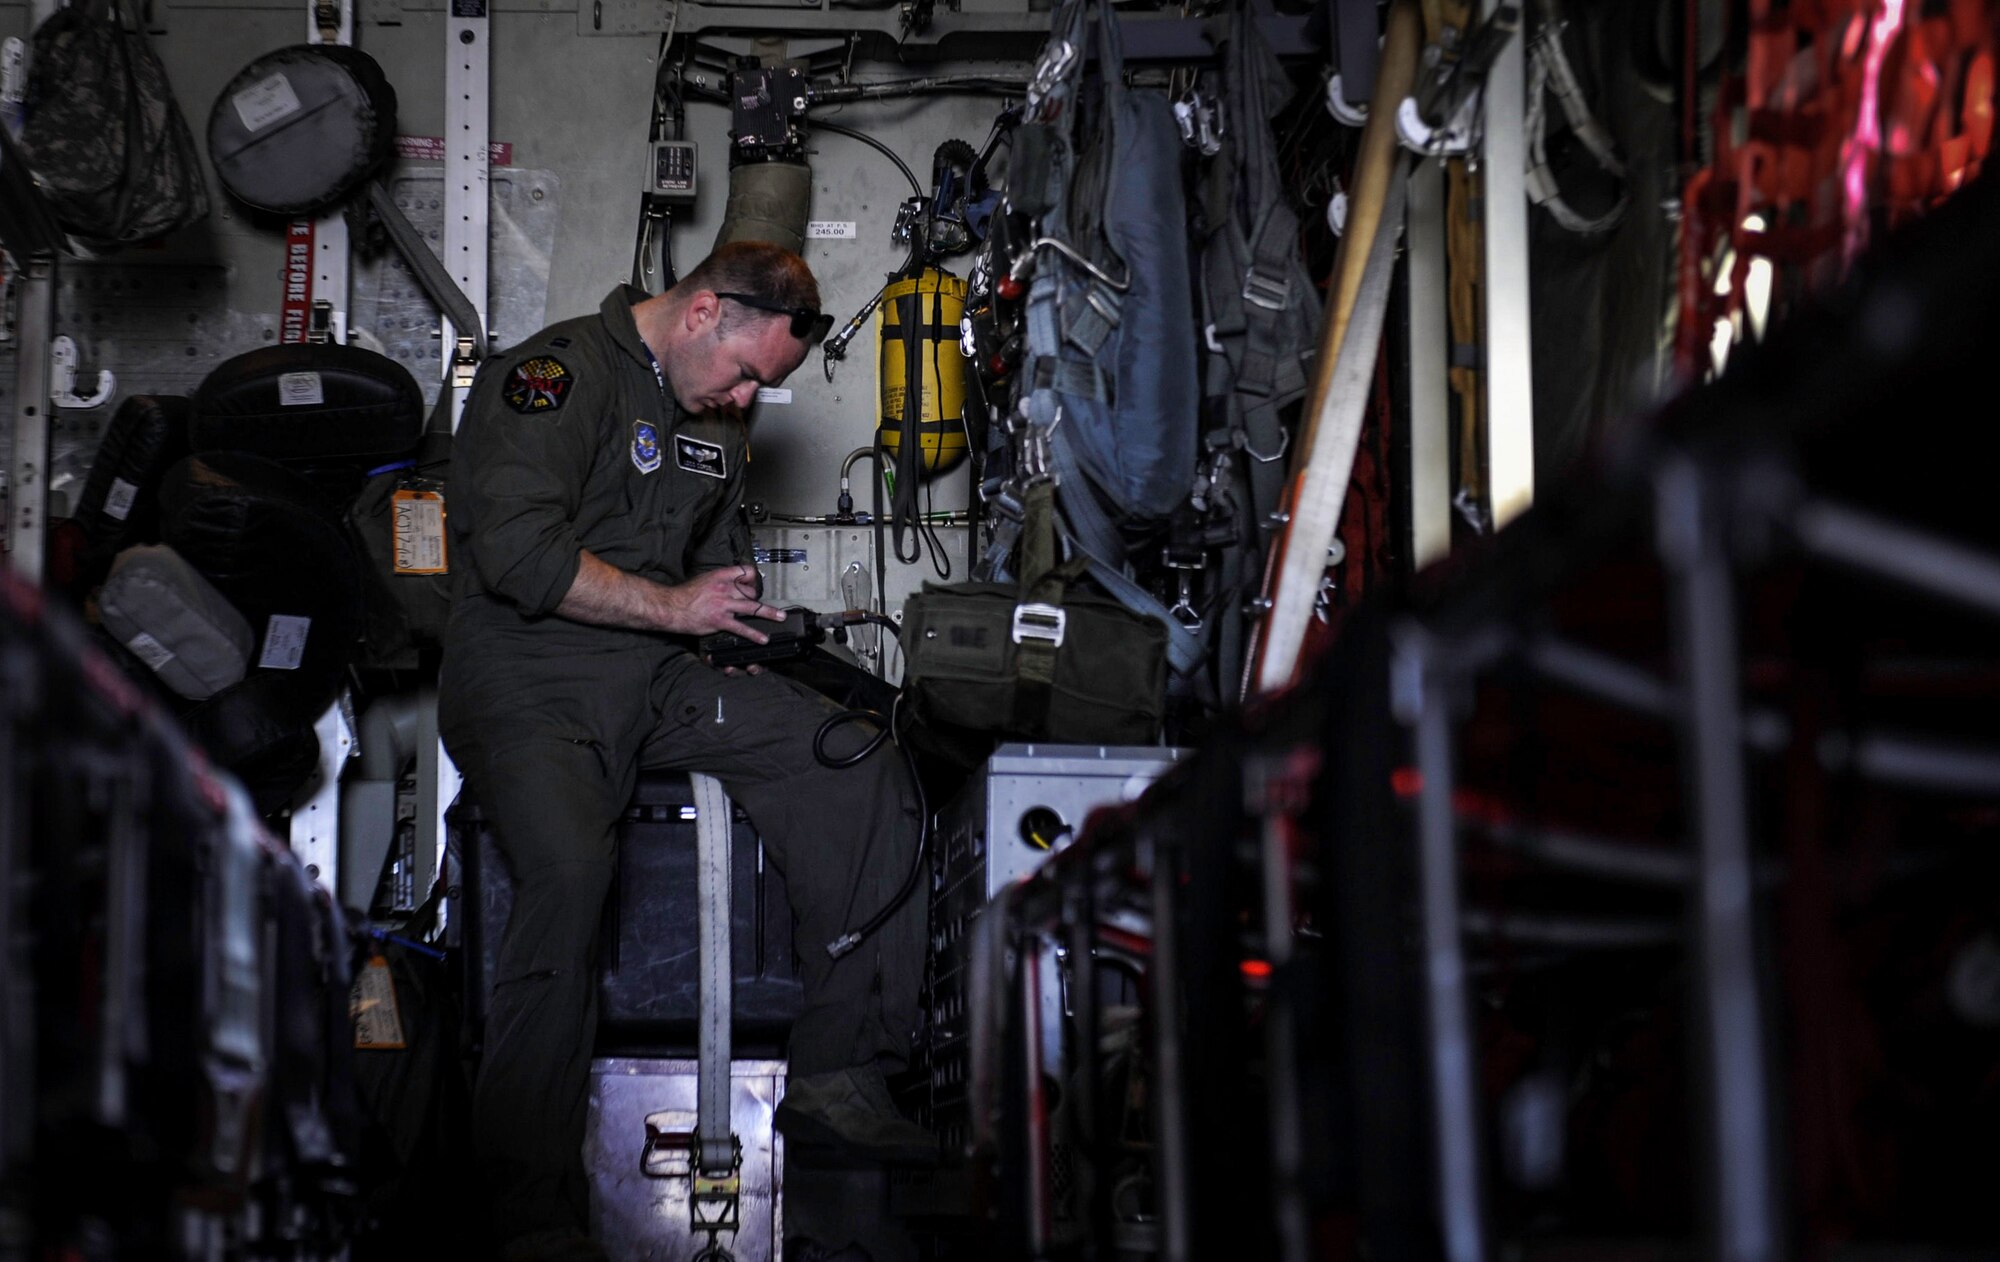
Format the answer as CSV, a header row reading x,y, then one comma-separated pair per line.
x,y
852,938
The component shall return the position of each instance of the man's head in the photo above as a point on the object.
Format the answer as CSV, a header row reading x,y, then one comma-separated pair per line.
x,y
744,317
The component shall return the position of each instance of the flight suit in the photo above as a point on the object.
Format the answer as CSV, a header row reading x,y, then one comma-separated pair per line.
x,y
571,440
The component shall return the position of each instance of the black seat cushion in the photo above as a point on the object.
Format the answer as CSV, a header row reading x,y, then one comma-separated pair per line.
x,y
118,509
261,731
281,554
332,412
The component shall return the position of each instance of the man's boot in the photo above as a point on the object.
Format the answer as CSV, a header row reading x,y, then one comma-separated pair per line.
x,y
850,1110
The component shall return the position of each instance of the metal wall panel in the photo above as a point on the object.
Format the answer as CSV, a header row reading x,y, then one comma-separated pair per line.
x,y
574,110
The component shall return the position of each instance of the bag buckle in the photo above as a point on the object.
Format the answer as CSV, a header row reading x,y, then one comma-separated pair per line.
x,y
1036,621
1268,292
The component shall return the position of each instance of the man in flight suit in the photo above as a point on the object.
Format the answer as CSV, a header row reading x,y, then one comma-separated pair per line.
x,y
596,523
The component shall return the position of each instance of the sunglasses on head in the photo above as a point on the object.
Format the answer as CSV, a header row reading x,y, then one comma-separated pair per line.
x,y
807,324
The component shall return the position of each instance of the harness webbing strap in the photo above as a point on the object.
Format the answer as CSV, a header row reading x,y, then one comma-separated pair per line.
x,y
714,1141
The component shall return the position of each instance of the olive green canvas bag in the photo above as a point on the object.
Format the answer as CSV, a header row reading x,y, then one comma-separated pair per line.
x,y
1046,659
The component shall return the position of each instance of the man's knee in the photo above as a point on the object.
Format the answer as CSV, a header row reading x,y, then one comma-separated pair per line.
x,y
553,925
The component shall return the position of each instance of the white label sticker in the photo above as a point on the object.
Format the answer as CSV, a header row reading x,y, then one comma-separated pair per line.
x,y
265,102
419,521
300,389
830,230
150,650
118,500
773,394
284,642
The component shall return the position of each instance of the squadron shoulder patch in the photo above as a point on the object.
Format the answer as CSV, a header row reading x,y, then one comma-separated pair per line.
x,y
538,385
645,447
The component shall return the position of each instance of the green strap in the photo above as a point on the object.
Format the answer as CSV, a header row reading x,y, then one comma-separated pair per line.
x,y
1043,581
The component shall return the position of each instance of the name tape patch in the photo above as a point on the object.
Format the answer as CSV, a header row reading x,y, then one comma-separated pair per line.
x,y
697,456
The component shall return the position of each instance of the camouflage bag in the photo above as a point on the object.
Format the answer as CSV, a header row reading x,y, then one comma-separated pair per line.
x,y
105,137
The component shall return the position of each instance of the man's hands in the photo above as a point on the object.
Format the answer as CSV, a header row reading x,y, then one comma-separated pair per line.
x,y
716,600
606,596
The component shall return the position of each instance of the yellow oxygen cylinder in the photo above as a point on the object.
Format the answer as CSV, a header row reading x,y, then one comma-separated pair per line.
x,y
933,303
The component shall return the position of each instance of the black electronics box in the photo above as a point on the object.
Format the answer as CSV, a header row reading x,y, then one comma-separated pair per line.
x,y
648,976
789,641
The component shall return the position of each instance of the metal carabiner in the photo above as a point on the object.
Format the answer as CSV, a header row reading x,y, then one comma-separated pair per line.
x,y
1049,72
1183,610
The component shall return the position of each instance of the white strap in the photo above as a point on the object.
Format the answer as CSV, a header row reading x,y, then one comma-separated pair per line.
x,y
715,1144
1329,465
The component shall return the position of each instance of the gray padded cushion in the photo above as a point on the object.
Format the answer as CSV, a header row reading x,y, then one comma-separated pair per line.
x,y
299,129
175,621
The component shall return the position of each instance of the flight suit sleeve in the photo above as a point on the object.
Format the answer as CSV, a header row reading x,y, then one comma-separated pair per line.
x,y
523,455
725,535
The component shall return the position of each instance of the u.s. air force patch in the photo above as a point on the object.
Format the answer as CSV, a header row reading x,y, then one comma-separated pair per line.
x,y
538,385
645,447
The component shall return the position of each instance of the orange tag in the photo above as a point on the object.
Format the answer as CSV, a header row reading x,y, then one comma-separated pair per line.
x,y
419,519
378,1021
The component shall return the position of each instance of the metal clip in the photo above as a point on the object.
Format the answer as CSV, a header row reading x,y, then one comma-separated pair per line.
x,y
62,378
1036,464
1208,127
1183,610
1284,445
1053,68
713,1203
319,325
463,366
1268,292
1351,114
1200,121
1323,599
1036,621
1472,510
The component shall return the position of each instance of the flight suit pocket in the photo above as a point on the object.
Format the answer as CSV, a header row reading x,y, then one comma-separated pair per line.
x,y
751,727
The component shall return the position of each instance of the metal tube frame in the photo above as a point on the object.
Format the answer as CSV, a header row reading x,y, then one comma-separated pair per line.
x,y
1743,1220
1421,703
1171,1184
1036,1192
19,689
1909,558
1092,1134
1267,801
